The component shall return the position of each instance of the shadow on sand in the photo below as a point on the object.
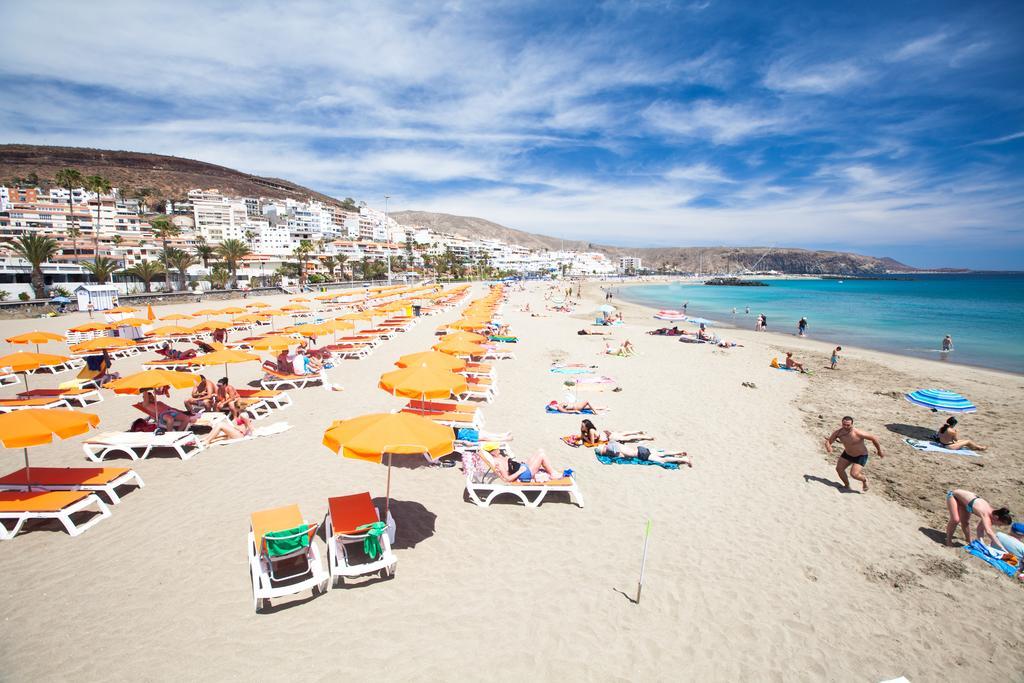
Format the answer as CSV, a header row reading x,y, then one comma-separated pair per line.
x,y
828,482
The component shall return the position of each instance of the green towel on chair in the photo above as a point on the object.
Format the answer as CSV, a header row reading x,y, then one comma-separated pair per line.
x,y
287,541
371,544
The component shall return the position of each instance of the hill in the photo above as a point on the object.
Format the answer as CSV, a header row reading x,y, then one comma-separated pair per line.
x,y
155,176
692,259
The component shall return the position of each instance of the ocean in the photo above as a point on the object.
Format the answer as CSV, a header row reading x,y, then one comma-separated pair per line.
x,y
909,315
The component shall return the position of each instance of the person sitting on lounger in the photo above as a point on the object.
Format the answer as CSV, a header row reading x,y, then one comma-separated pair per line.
x,y
167,418
948,437
228,398
590,434
615,449
536,468
204,396
229,430
792,364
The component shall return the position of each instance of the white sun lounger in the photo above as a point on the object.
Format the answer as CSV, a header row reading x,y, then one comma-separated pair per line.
x,y
290,574
344,514
57,368
11,404
139,445
104,480
483,484
282,381
83,397
21,506
7,377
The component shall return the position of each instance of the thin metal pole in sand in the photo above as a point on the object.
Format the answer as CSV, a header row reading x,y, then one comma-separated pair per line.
x,y
643,562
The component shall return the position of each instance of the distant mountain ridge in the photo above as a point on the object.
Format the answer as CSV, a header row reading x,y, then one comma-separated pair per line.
x,y
169,177
692,259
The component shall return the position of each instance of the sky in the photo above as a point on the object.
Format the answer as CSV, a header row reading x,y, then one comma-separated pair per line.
x,y
890,129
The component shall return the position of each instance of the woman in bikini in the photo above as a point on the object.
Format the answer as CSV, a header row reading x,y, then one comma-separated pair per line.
x,y
961,504
614,449
229,430
947,436
590,434
512,470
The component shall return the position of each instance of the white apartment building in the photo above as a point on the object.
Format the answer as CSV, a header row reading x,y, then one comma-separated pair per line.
x,y
629,264
5,197
217,217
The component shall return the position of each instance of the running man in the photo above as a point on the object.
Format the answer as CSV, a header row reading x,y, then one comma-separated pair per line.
x,y
855,451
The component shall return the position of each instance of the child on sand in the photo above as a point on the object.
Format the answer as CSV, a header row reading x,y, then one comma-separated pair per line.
x,y
835,356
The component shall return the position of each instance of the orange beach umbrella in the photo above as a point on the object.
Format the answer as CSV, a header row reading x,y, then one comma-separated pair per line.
x,y
422,382
224,357
103,344
37,426
122,309
432,359
457,348
462,336
131,322
89,327
36,337
152,379
274,342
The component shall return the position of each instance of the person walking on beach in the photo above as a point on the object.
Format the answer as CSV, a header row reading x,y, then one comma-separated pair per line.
x,y
835,356
801,327
764,323
855,452
947,343
757,324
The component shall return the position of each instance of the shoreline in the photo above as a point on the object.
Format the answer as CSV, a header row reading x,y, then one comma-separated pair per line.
x,y
785,338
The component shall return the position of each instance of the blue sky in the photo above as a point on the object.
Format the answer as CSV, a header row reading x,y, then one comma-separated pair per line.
x,y
893,129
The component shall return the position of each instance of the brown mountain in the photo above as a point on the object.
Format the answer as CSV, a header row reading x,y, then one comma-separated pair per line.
x,y
154,176
159,177
692,259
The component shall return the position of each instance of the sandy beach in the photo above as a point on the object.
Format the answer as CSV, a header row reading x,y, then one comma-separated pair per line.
x,y
759,568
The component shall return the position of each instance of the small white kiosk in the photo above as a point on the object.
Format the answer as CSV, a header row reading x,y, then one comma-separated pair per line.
x,y
102,297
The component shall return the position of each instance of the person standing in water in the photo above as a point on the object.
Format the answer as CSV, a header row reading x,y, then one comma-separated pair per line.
x,y
855,451
947,343
746,311
734,311
801,327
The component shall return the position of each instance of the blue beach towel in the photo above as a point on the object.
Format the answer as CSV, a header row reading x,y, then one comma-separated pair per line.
x,y
556,411
606,460
570,371
992,556
935,447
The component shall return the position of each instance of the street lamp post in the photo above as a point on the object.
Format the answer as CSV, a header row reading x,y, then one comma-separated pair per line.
x,y
387,237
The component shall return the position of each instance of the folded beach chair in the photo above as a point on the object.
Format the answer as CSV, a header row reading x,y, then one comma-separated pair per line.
x,y
7,377
83,397
483,484
18,507
92,479
9,404
274,379
139,445
283,556
345,516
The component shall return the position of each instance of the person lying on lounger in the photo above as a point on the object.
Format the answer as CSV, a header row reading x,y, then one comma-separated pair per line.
x,y
536,468
229,430
614,449
590,434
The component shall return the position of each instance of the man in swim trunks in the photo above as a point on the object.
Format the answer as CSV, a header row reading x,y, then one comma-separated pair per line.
x,y
855,451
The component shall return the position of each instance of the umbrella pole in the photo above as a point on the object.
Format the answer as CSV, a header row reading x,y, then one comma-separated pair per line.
x,y
387,489
24,377
28,470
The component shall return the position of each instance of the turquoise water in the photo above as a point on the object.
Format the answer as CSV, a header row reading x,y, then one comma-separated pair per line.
x,y
983,312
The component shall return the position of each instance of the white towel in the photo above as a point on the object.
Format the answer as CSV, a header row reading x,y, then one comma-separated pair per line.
x,y
934,447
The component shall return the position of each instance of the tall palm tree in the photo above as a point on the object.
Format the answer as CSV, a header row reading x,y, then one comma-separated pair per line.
x,y
204,251
164,229
180,260
37,250
146,271
330,263
302,252
100,186
102,268
233,251
117,240
74,233
341,259
69,179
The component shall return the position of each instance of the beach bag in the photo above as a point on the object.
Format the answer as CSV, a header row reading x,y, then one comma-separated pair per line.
x,y
774,363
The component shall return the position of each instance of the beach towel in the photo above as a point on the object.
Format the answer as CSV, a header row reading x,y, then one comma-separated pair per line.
x,y
263,430
595,379
278,543
574,441
606,460
570,371
936,447
509,340
991,555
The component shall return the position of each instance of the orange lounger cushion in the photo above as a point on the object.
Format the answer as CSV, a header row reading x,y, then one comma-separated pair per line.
x,y
259,393
64,476
349,512
26,401
274,519
39,501
53,393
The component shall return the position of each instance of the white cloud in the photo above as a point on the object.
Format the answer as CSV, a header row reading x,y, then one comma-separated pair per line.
x,y
919,46
816,79
721,123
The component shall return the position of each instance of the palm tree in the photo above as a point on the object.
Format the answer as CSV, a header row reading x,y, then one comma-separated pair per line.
x,y
219,276
164,229
100,186
117,240
233,251
146,271
204,251
301,252
69,179
74,233
330,263
102,268
180,260
341,258
37,250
